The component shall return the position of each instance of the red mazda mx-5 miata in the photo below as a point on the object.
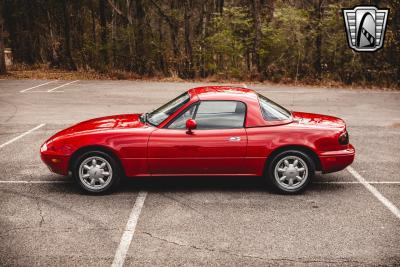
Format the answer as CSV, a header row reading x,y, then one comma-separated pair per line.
x,y
211,130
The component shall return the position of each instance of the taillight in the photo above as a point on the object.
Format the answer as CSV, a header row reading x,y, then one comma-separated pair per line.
x,y
344,138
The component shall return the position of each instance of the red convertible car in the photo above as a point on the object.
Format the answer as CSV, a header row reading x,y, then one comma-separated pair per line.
x,y
211,130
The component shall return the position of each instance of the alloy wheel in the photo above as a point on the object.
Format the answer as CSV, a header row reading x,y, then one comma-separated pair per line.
x,y
95,173
291,172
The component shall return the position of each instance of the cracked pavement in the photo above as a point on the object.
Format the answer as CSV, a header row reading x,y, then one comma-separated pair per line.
x,y
194,221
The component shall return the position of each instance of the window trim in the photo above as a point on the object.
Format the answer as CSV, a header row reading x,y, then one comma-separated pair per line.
x,y
197,103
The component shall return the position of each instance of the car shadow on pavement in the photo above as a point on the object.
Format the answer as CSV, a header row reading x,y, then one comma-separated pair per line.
x,y
194,183
210,183
188,184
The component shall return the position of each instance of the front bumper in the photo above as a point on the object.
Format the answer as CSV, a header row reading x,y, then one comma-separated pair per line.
x,y
333,161
56,163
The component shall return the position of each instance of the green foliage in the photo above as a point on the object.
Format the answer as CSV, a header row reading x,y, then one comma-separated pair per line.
x,y
229,38
284,42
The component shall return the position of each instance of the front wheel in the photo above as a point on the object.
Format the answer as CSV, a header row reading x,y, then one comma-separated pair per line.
x,y
96,172
290,171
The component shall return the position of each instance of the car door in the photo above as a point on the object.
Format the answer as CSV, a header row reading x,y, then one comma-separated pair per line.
x,y
217,146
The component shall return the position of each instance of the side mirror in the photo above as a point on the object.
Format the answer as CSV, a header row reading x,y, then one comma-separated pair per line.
x,y
190,125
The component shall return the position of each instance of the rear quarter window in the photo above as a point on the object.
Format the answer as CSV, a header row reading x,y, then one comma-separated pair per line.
x,y
271,111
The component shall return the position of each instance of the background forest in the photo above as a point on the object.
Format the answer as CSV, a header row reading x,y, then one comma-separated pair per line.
x,y
275,40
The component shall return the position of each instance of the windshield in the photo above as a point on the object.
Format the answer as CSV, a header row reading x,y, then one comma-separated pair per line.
x,y
271,111
162,113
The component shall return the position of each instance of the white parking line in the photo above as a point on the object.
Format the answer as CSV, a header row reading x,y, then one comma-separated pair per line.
x,y
127,236
375,192
35,182
22,135
289,91
47,92
354,182
65,84
30,88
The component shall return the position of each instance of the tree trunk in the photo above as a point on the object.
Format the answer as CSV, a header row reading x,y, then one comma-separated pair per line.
x,y
188,44
174,27
257,36
219,6
67,39
140,47
203,33
3,69
161,61
268,6
175,45
93,17
93,53
317,59
54,43
103,32
113,37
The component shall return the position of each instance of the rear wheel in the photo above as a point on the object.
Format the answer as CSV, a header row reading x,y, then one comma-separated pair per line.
x,y
290,171
96,172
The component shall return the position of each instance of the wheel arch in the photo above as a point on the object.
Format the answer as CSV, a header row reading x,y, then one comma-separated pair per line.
x,y
89,148
308,151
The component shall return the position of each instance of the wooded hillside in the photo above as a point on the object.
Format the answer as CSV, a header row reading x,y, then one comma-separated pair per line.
x,y
277,40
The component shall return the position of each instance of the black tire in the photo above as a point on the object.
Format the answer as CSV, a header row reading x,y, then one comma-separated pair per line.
x,y
115,172
281,187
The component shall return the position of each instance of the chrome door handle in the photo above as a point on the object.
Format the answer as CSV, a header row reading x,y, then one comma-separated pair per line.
x,y
234,139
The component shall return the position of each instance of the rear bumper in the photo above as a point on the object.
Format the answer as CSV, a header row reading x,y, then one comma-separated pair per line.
x,y
56,163
333,161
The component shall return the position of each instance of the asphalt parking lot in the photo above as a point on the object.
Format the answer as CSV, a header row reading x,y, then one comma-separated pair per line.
x,y
45,220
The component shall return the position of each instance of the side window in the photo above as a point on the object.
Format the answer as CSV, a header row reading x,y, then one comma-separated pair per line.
x,y
220,115
180,121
